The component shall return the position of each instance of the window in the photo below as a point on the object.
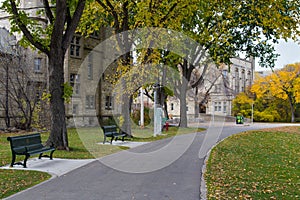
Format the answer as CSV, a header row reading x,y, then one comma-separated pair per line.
x,y
90,66
90,102
225,107
249,77
225,73
108,103
172,106
237,81
75,83
75,109
218,106
37,64
243,80
75,48
74,78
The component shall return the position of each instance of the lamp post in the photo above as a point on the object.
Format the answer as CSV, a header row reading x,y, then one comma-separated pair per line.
x,y
157,113
142,108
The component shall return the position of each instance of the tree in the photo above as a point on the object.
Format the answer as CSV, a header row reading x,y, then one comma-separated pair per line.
x,y
242,105
22,89
50,34
283,84
224,28
221,28
128,15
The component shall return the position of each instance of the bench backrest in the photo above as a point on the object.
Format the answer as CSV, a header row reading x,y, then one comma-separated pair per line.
x,y
22,143
109,129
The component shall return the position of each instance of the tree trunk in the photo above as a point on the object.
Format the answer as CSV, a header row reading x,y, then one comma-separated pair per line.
x,y
196,106
166,110
183,114
58,135
292,109
126,126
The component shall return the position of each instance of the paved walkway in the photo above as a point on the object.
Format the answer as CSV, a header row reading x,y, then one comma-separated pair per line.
x,y
164,170
58,167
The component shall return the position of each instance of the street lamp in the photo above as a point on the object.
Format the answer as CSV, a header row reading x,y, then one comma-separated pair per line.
x,y
142,108
157,113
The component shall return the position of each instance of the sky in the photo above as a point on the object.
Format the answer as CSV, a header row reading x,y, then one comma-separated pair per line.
x,y
289,53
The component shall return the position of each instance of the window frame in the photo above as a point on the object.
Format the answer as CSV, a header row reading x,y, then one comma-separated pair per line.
x,y
76,42
37,65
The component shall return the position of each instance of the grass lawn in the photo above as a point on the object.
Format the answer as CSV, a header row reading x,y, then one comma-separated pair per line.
x,y
256,165
83,145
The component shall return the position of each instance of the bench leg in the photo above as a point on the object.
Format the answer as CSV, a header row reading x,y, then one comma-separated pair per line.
x,y
112,138
13,160
25,160
51,155
40,156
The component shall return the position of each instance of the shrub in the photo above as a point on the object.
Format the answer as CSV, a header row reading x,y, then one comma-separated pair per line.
x,y
136,116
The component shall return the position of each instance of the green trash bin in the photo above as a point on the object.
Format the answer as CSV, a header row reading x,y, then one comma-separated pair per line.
x,y
239,119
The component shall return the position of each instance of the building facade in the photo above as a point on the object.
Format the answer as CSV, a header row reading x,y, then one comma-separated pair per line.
x,y
24,62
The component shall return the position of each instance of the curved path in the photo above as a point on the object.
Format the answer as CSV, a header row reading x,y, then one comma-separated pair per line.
x,y
177,181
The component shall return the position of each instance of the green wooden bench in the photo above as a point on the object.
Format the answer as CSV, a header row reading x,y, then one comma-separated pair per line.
x,y
28,145
112,132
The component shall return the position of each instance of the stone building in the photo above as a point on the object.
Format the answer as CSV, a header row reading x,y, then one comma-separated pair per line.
x,y
231,83
92,99
34,62
23,79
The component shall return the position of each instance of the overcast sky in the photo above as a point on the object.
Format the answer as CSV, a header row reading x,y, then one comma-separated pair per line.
x,y
289,53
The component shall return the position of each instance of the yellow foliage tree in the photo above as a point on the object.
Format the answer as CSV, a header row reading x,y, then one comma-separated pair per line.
x,y
283,84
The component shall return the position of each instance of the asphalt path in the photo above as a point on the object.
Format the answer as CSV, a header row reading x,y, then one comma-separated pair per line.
x,y
155,177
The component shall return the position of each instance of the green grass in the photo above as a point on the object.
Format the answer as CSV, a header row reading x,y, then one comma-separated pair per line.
x,y
84,144
256,165
13,181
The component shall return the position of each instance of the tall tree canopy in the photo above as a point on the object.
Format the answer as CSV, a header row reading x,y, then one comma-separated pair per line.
x,y
222,28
